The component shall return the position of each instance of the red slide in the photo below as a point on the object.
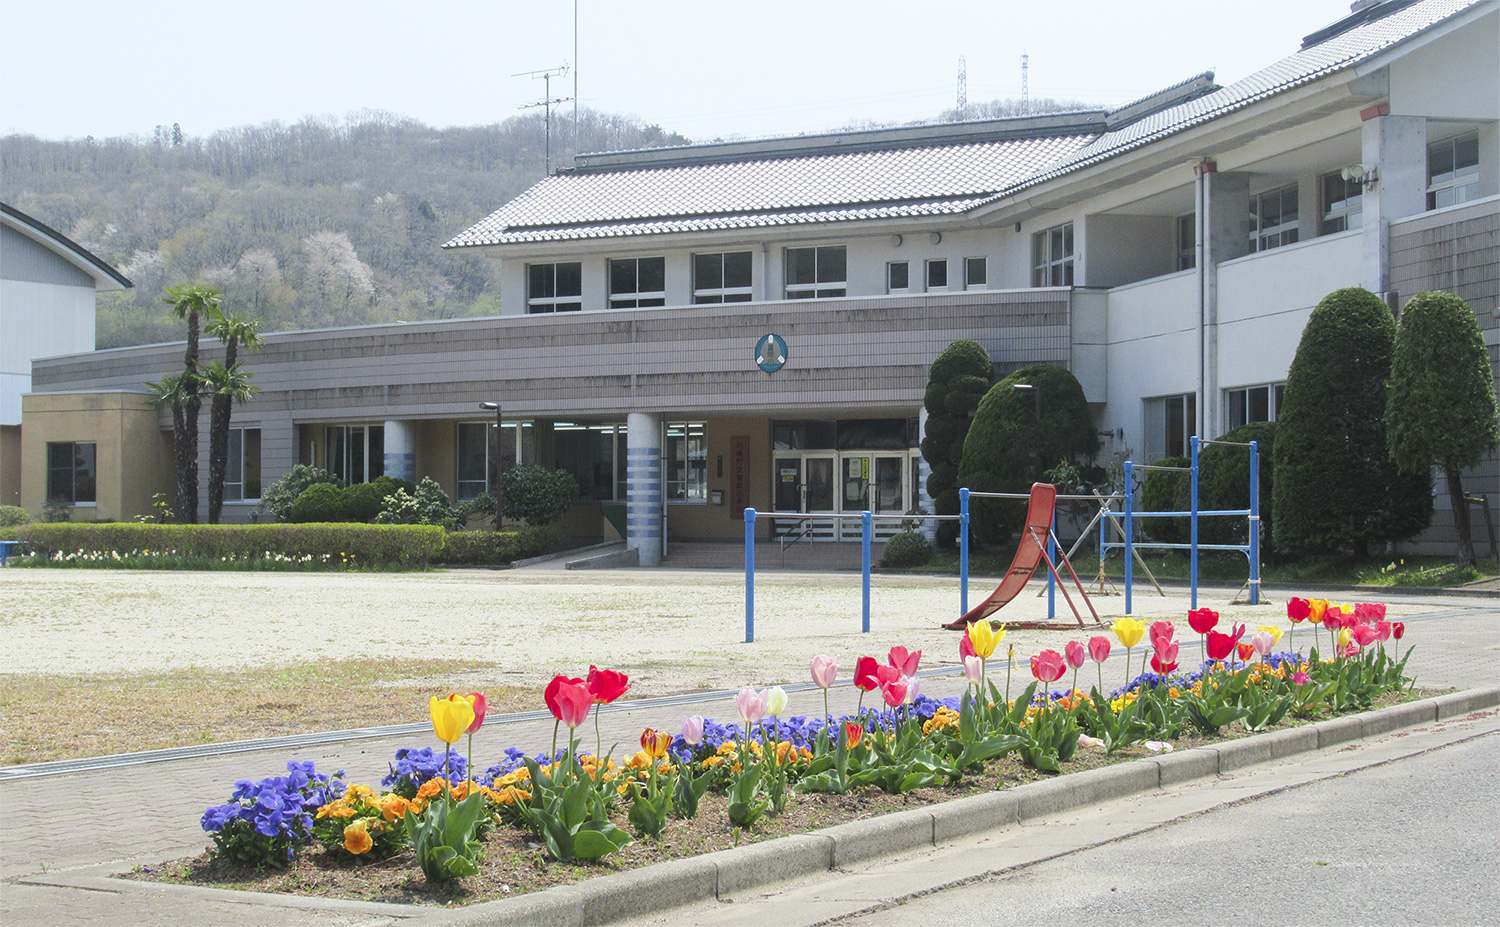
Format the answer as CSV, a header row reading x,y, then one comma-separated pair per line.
x,y
1029,555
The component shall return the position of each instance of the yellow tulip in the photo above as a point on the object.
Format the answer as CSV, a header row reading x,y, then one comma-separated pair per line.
x,y
1318,607
984,638
1345,638
1272,630
451,716
1129,631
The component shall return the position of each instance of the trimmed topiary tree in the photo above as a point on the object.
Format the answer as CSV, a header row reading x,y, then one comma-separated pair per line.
x,y
1224,483
958,380
320,502
1008,448
1336,487
1168,491
1441,409
905,549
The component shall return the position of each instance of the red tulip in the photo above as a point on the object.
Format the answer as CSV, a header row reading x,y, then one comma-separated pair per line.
x,y
1099,649
1298,609
906,661
1370,611
1398,629
866,675
1203,620
607,685
894,691
1365,635
1221,646
1383,630
1161,666
1048,666
854,732
550,696
1246,651
570,701
966,647
1075,654
479,709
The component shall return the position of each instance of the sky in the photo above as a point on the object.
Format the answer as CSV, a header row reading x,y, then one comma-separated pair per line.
x,y
707,69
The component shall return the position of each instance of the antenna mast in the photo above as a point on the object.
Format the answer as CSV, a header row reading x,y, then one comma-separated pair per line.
x,y
963,86
1025,95
546,101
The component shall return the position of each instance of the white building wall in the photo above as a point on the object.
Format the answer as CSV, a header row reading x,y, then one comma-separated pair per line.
x,y
1153,349
1451,77
38,320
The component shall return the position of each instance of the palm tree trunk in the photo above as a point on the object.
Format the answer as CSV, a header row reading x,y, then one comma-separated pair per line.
x,y
1460,515
187,450
218,440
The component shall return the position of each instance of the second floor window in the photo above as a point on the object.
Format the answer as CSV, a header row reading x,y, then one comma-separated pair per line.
x,y
722,277
554,287
976,273
897,277
1343,202
937,276
1187,241
1273,218
637,283
1252,404
1453,171
1052,256
816,273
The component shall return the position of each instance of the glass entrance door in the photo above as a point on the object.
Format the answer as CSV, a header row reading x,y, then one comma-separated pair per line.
x,y
804,484
876,482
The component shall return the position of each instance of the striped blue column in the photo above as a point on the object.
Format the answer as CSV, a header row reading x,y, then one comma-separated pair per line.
x,y
643,488
400,461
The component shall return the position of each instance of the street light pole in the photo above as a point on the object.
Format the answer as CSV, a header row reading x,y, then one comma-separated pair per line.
x,y
495,465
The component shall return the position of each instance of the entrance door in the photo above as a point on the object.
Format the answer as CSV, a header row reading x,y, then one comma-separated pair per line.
x,y
804,484
876,482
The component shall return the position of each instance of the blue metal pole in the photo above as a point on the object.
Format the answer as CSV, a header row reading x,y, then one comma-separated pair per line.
x,y
1051,581
1254,524
1193,546
866,521
1129,531
963,551
749,576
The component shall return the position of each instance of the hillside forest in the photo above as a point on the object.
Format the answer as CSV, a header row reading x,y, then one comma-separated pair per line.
x,y
322,223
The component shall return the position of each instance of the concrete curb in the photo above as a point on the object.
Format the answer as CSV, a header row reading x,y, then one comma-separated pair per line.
x,y
721,874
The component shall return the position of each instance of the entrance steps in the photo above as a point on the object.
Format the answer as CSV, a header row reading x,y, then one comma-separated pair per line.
x,y
818,556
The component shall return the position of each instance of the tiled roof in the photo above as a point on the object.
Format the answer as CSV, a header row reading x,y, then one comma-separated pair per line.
x,y
911,180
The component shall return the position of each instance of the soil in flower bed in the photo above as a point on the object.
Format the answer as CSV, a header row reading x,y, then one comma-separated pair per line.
x,y
515,861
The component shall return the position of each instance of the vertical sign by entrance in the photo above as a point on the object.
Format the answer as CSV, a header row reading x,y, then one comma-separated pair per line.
x,y
739,475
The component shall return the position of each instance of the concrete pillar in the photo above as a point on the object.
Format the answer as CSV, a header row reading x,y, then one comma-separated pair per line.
x,y
643,487
1396,146
401,450
1223,233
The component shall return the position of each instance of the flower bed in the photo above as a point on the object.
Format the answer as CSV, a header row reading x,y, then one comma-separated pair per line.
x,y
530,821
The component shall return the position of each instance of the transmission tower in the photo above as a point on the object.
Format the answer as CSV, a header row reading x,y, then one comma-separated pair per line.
x,y
546,101
963,86
1025,95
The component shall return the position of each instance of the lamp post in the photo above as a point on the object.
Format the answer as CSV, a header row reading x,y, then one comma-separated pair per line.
x,y
495,464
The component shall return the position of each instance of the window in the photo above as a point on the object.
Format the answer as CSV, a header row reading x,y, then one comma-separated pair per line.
x,y
976,273
1273,219
687,462
356,453
937,275
1252,404
816,273
71,474
637,283
1170,422
473,459
722,278
554,287
1187,242
1453,171
242,468
1052,256
1343,201
897,277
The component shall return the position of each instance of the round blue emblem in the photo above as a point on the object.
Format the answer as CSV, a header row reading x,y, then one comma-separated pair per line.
x,y
770,353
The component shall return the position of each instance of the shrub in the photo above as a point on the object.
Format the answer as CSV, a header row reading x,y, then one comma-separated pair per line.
x,y
907,549
409,545
537,495
492,548
956,383
1167,491
279,497
320,502
1336,486
1009,448
12,515
428,506
1224,483
361,502
56,509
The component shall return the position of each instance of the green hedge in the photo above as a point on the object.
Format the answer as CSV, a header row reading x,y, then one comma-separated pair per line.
x,y
414,545
491,548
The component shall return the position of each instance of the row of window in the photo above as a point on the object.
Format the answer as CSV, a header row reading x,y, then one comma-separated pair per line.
x,y
1171,421
72,472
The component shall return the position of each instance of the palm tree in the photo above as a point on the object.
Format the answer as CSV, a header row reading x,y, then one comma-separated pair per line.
x,y
225,385
236,332
170,394
191,302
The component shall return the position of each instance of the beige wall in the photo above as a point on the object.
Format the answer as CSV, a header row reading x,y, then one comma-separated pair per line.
x,y
698,521
132,453
10,464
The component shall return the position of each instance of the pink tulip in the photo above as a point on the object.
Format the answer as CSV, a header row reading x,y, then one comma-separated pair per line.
x,y
913,688
479,709
1382,631
1048,666
1299,678
1166,651
1262,642
1370,611
894,691
824,670
966,647
1099,649
1365,635
1075,654
973,670
1162,630
751,704
573,701
906,661
692,730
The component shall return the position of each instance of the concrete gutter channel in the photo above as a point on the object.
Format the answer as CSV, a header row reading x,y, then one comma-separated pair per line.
x,y
659,888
